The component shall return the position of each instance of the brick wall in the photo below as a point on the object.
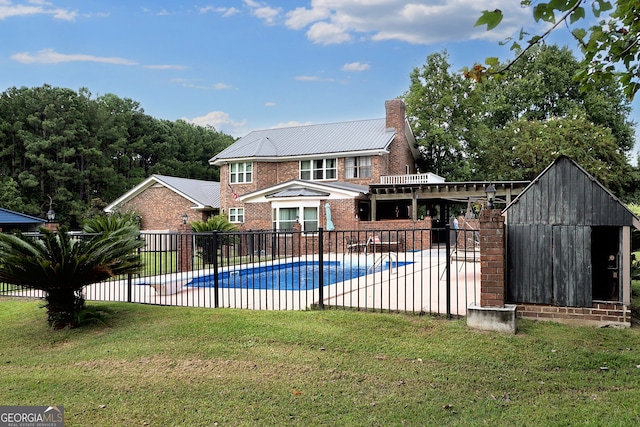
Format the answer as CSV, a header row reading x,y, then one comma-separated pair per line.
x,y
598,315
161,209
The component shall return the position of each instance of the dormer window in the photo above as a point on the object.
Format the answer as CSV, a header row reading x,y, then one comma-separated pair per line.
x,y
240,173
319,169
358,167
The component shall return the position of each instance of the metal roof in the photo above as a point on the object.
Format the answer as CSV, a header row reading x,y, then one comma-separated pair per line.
x,y
11,217
204,194
309,140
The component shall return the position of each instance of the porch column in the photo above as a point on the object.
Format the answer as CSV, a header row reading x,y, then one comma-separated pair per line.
x,y
374,205
492,258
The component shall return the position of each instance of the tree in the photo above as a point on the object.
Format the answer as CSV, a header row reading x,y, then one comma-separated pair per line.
x,y
440,110
511,128
60,265
523,148
611,46
75,148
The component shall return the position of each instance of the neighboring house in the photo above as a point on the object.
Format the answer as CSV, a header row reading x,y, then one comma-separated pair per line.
x,y
162,201
11,220
317,175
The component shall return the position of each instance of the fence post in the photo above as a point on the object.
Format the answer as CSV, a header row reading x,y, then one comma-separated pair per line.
x,y
320,268
129,286
216,283
448,268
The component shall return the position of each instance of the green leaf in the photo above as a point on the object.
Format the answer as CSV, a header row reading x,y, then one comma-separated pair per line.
x,y
600,6
492,61
515,46
577,15
579,33
543,12
490,19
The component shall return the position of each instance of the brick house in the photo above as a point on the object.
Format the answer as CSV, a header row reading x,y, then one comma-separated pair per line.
x,y
314,175
162,201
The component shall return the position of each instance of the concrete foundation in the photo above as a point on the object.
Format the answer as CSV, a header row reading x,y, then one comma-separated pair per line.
x,y
499,319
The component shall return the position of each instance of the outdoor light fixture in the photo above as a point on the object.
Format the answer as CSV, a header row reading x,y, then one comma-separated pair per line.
x,y
51,215
490,191
185,217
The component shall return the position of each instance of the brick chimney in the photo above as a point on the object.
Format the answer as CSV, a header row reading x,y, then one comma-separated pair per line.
x,y
400,156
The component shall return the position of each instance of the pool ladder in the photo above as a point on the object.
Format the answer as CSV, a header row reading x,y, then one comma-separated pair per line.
x,y
390,257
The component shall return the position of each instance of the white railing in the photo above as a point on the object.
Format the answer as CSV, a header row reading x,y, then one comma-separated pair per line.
x,y
418,178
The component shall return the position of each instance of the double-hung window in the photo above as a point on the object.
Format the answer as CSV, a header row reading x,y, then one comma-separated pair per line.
x,y
240,172
236,215
319,169
358,167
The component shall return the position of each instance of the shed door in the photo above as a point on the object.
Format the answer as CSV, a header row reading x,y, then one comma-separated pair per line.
x,y
529,263
549,265
572,266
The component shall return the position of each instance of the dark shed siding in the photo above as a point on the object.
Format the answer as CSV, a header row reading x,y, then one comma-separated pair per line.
x,y
565,194
529,263
549,235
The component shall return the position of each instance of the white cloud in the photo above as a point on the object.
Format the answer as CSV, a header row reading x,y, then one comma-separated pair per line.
x,y
49,56
356,66
328,33
189,84
9,9
412,21
224,11
269,104
290,124
314,79
222,122
263,11
301,17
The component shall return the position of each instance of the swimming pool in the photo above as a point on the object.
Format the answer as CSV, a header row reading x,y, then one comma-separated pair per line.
x,y
292,276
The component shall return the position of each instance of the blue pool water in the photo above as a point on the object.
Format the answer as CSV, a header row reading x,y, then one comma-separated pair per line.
x,y
293,276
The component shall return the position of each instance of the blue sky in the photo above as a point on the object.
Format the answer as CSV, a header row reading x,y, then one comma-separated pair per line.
x,y
241,65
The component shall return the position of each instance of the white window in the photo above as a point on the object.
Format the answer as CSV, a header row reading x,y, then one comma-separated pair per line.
x,y
236,214
358,167
319,169
284,217
240,172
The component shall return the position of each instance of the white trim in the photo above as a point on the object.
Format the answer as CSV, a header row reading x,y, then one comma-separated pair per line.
x,y
144,185
334,193
272,159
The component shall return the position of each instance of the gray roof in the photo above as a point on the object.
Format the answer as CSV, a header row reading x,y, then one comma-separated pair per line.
x,y
343,137
206,193
11,217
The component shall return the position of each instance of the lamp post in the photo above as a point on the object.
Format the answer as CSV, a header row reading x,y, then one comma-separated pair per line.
x,y
490,191
51,215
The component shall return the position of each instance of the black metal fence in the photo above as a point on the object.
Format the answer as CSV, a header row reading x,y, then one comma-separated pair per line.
x,y
414,270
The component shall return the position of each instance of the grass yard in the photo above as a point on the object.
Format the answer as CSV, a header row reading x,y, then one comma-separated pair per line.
x,y
170,366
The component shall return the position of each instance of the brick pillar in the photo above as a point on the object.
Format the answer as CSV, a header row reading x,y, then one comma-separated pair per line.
x,y
51,226
297,239
185,248
492,258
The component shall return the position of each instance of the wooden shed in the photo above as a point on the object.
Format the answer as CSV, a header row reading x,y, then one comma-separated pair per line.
x,y
568,244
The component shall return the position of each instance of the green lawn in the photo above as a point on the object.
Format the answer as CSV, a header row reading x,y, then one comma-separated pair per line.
x,y
170,366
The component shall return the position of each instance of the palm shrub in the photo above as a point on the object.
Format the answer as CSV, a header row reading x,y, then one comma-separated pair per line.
x,y
213,223
113,222
60,265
